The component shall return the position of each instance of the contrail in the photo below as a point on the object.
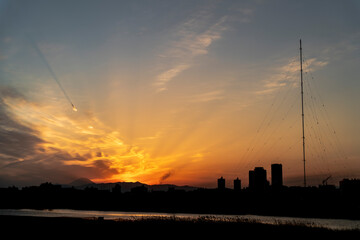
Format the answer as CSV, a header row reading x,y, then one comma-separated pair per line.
x,y
41,55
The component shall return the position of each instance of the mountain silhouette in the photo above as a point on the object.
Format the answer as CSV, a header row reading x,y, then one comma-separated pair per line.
x,y
83,183
80,182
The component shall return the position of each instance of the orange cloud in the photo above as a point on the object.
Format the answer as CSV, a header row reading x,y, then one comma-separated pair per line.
x,y
65,140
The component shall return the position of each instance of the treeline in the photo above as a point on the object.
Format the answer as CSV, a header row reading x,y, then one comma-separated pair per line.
x,y
287,201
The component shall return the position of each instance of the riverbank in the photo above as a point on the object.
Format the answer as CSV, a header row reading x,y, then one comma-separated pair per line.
x,y
159,227
292,202
112,215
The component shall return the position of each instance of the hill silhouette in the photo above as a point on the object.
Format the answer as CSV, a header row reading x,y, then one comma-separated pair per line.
x,y
80,182
83,183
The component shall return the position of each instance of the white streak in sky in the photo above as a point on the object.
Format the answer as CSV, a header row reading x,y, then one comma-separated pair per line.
x,y
193,38
41,55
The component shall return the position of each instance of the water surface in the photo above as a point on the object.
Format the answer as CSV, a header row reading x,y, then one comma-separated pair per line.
x,y
318,222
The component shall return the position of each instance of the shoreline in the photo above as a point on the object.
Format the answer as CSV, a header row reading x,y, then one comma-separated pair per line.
x,y
207,213
287,202
204,226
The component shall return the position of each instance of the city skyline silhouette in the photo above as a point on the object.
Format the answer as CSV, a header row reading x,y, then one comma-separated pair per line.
x,y
260,197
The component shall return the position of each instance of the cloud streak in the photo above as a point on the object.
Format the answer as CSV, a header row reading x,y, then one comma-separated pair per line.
x,y
51,71
208,96
288,74
168,75
192,39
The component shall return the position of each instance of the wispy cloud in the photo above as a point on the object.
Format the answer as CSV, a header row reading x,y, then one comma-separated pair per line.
x,y
208,96
163,78
195,38
192,39
288,74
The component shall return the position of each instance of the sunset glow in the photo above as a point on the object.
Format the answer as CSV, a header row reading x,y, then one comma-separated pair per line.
x,y
177,92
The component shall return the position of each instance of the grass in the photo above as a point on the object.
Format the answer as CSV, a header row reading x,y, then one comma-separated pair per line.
x,y
244,224
167,227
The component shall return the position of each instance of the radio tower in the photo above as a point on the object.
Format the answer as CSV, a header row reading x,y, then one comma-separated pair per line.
x,y
302,111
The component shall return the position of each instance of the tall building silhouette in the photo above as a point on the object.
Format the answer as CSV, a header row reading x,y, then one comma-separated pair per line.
x,y
257,179
251,179
221,183
276,175
237,184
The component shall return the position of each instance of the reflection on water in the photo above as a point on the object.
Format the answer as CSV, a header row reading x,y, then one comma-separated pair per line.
x,y
327,223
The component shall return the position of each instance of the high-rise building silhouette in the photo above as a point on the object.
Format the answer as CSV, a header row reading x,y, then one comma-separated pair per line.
x,y
221,183
276,175
251,179
257,179
237,184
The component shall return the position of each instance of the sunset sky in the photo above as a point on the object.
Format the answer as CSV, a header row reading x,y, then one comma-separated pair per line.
x,y
178,92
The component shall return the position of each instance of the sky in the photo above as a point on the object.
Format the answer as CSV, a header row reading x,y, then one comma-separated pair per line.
x,y
177,92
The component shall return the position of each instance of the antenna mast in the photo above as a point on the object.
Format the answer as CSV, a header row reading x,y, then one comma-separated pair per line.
x,y
302,111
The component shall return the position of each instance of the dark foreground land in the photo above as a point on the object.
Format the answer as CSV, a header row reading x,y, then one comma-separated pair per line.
x,y
293,202
42,227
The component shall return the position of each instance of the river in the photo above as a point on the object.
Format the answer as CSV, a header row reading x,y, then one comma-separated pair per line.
x,y
340,224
